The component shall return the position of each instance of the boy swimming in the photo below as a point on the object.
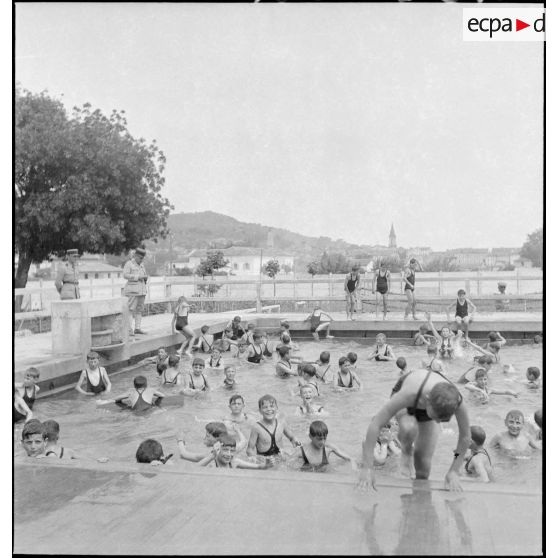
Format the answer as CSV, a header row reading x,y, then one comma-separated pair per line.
x,y
52,447
323,368
224,455
141,398
33,438
95,376
308,407
382,351
346,378
197,382
283,368
477,462
481,389
514,440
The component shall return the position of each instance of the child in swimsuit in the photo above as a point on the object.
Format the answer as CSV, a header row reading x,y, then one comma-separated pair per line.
x,y
256,349
224,455
235,325
477,462
382,284
323,370
24,395
346,378
446,340
213,432
422,337
52,448
230,373
383,351
464,310
285,341
495,343
180,323
141,398
514,441
307,394
33,438
197,381
353,357
95,376
160,360
268,433
385,445
172,375
314,454
215,361
248,336
533,375
238,417
480,387
428,398
283,368
204,342
308,378
317,324
151,451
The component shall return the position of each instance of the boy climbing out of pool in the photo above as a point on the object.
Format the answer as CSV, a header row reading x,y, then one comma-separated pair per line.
x,y
323,368
179,323
382,351
308,407
514,440
315,453
464,311
283,368
421,400
24,395
151,451
422,337
215,360
477,461
267,434
95,376
235,325
479,387
204,342
319,321
224,455
448,343
346,378
385,445
53,448
140,398
196,381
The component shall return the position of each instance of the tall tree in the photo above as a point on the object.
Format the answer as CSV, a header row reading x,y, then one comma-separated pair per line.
x,y
81,181
532,248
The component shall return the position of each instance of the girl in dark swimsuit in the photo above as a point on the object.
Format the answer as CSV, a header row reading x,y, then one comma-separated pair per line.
x,y
180,323
409,279
383,285
352,281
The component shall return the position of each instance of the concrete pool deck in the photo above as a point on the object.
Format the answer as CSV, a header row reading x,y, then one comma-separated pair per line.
x,y
58,370
135,509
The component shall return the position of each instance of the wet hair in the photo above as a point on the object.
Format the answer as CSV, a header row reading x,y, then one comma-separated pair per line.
x,y
538,416
198,360
318,428
237,319
229,367
284,323
485,360
432,350
343,360
461,292
534,371
309,369
401,363
215,350
492,336
285,338
516,413
236,397
162,349
324,357
92,354
480,372
381,336
478,435
140,381
216,429
32,371
32,427
445,399
174,360
265,398
52,430
228,441
148,451
353,357
283,350
204,328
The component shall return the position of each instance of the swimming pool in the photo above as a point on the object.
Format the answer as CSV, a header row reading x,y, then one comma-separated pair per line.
x,y
116,434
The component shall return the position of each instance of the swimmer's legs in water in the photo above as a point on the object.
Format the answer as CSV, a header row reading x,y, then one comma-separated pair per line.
x,y
408,431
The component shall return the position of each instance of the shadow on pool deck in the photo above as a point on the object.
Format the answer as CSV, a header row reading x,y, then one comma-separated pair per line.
x,y
135,509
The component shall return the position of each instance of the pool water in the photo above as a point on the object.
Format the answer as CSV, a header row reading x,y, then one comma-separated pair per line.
x,y
114,433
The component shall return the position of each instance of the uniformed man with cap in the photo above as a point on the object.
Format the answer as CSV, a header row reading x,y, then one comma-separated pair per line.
x,y
136,287
67,276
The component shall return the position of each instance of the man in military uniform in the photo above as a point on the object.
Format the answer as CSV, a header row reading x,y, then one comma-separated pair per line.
x,y
67,276
136,287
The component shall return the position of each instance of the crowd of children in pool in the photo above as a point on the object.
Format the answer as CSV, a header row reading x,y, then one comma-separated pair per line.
x,y
406,426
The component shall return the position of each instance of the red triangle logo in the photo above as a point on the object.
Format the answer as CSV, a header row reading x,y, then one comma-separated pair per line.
x,y
519,25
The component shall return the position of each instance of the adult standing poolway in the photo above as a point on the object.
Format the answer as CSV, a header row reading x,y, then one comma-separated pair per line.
x,y
67,276
352,281
135,288
409,277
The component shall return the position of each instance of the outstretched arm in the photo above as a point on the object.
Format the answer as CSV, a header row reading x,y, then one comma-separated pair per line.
x,y
452,476
437,336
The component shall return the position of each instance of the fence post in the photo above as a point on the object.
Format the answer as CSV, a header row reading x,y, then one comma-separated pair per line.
x,y
259,298
479,283
440,289
517,280
112,286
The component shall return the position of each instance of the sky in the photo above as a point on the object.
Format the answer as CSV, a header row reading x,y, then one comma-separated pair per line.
x,y
324,119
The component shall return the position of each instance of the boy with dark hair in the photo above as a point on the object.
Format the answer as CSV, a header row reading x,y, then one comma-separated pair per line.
x,y
151,451
401,363
141,398
478,461
52,448
24,395
95,376
346,378
283,368
462,316
224,455
33,438
514,441
323,370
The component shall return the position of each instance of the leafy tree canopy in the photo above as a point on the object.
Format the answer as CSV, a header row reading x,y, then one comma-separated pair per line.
x,y
82,181
272,268
214,261
532,249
